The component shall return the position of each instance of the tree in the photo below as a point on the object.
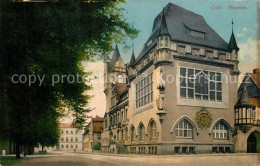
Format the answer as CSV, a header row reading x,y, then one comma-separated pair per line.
x,y
47,40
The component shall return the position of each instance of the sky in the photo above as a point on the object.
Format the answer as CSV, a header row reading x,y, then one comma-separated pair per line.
x,y
141,13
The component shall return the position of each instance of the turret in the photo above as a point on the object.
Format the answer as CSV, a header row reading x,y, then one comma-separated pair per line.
x,y
163,42
233,48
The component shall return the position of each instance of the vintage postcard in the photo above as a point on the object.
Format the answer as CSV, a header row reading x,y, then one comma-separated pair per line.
x,y
129,82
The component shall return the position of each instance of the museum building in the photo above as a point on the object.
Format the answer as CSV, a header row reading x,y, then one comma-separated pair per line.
x,y
176,97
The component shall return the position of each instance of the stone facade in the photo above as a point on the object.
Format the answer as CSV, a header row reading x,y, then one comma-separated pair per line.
x,y
178,95
70,138
92,134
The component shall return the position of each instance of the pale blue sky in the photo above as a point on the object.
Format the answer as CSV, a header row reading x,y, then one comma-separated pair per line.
x,y
141,14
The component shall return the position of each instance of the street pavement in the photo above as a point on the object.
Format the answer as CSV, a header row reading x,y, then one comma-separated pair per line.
x,y
87,159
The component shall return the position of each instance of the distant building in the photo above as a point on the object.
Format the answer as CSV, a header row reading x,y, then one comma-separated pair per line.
x,y
71,138
92,134
173,98
247,114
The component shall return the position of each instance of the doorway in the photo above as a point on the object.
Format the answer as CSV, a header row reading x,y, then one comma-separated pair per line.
x,y
252,143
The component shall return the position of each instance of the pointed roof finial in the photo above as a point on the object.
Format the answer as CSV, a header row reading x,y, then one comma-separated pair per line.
x,y
232,42
132,60
232,25
116,55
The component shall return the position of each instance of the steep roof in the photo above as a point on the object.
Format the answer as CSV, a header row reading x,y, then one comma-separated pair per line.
x,y
163,29
98,119
252,83
256,76
232,42
121,88
116,55
97,127
132,60
255,101
244,100
179,23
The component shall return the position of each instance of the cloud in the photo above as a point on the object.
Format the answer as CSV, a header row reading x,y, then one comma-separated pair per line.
x,y
244,31
247,55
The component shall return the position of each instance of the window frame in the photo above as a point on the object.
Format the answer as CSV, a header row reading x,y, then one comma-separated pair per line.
x,y
218,131
180,130
186,80
144,91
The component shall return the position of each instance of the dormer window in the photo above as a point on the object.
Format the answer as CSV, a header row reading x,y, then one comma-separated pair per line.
x,y
188,49
227,55
197,34
215,53
148,43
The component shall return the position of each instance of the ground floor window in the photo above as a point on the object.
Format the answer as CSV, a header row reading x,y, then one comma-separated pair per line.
x,y
184,129
220,131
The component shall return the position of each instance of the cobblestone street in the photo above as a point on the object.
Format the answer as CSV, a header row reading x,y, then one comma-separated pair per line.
x,y
64,159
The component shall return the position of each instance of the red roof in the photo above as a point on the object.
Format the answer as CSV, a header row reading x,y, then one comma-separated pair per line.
x,y
98,119
97,127
255,102
121,88
65,125
256,76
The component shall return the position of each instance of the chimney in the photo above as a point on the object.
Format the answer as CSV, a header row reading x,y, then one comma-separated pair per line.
x,y
256,71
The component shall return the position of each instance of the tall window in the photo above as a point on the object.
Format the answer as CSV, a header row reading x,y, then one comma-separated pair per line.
x,y
220,131
152,130
184,129
144,91
126,133
132,133
120,78
200,84
113,101
141,132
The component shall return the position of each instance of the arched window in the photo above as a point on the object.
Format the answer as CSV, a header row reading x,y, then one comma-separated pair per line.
x,y
120,78
141,132
152,130
132,133
118,117
220,131
184,129
126,133
125,114
111,120
122,135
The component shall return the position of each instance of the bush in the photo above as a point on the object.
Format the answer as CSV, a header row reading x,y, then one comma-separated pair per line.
x,y
97,146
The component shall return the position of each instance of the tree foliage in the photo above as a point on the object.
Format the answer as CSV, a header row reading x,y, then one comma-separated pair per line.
x,y
46,40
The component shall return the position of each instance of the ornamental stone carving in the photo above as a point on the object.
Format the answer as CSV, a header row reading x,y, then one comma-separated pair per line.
x,y
203,118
